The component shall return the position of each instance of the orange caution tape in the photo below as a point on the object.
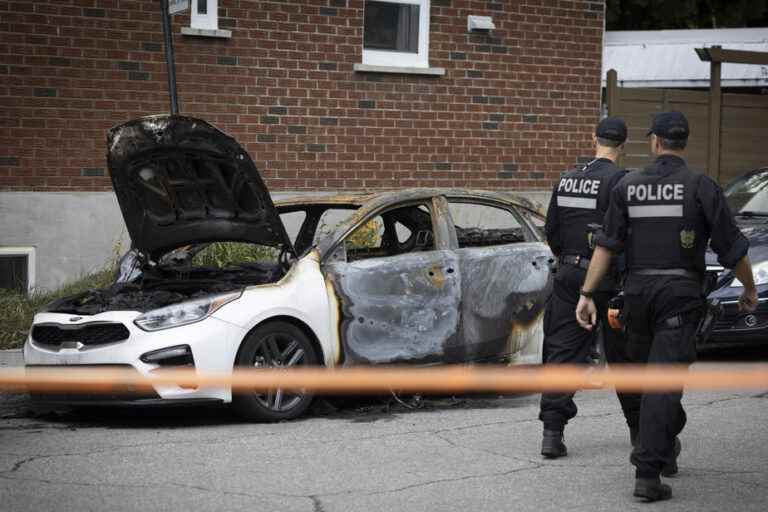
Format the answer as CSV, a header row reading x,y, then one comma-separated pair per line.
x,y
366,380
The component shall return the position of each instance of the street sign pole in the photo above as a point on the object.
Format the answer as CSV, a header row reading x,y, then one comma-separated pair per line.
x,y
169,60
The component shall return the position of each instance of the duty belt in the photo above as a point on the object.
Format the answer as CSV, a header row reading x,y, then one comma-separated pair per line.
x,y
577,260
681,272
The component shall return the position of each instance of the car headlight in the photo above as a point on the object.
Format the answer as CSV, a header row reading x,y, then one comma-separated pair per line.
x,y
183,313
759,274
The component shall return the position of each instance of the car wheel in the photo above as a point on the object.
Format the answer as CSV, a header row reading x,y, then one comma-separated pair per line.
x,y
274,345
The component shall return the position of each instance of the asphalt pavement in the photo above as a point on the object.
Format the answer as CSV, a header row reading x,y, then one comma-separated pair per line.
x,y
375,454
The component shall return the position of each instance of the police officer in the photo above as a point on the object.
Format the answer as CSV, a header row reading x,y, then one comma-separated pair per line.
x,y
579,199
663,217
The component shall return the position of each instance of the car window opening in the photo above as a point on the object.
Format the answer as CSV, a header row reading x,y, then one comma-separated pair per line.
x,y
483,225
399,231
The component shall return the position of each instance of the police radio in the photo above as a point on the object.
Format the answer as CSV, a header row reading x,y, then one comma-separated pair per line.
x,y
593,229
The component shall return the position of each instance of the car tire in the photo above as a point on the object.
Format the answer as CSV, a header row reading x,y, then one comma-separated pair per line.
x,y
274,344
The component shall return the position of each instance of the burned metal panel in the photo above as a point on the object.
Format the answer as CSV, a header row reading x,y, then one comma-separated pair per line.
x,y
473,304
445,234
179,180
324,199
399,309
504,291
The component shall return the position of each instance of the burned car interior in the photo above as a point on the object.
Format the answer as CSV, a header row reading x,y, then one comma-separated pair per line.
x,y
408,228
398,231
480,224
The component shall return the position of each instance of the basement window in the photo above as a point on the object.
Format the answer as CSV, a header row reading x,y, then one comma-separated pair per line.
x,y
396,33
17,269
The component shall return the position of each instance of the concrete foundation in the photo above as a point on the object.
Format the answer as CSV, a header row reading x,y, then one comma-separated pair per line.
x,y
72,233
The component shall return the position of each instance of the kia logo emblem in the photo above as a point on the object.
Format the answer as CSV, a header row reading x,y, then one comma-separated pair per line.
x,y
75,318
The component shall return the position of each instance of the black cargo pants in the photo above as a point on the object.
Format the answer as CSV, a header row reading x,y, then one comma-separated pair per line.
x,y
566,342
649,302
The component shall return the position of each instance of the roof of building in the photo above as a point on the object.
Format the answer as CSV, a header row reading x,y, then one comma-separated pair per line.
x,y
666,58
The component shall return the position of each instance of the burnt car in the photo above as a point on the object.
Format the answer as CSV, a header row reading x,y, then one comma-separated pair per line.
x,y
747,197
219,276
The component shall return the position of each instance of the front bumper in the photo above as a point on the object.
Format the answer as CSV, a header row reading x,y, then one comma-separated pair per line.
x,y
213,343
736,328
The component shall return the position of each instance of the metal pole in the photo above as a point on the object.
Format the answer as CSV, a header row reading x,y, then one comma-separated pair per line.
x,y
715,109
170,63
612,92
612,99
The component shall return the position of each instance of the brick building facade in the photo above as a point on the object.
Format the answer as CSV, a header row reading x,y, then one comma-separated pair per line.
x,y
509,109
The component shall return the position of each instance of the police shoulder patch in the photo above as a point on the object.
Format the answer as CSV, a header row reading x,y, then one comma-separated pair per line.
x,y
687,238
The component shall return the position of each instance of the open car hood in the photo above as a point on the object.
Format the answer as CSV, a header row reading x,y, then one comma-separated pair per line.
x,y
180,181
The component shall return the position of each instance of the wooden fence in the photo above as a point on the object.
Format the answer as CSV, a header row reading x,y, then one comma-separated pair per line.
x,y
744,127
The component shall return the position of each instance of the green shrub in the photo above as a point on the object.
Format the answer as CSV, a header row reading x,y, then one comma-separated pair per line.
x,y
226,254
18,309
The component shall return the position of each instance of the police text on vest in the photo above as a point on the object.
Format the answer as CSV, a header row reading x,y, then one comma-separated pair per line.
x,y
656,192
579,186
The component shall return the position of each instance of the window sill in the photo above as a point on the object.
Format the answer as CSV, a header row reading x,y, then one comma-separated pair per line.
x,y
368,68
206,32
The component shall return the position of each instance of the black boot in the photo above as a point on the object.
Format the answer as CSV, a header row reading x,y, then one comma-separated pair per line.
x,y
651,489
671,468
552,445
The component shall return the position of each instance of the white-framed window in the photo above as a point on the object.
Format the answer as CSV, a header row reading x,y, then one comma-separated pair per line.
x,y
17,268
396,33
205,14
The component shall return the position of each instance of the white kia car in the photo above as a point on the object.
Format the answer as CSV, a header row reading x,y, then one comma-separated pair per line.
x,y
214,280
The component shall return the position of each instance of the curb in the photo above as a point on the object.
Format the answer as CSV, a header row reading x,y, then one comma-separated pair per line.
x,y
11,358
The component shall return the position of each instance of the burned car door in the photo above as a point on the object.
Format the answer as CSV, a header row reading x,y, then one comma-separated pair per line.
x,y
397,290
505,279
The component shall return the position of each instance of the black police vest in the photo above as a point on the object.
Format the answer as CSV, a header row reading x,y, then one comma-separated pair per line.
x,y
577,207
665,228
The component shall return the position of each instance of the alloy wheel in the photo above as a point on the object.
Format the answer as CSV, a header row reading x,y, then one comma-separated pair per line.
x,y
279,351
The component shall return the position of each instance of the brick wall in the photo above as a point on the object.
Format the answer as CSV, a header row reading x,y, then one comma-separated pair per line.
x,y
513,110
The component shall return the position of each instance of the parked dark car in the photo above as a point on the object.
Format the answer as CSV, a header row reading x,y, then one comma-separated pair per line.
x,y
748,198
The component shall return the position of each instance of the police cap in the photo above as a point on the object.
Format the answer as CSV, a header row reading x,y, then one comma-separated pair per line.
x,y
670,125
612,128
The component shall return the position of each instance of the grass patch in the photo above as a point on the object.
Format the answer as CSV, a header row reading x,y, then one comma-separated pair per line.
x,y
17,309
226,254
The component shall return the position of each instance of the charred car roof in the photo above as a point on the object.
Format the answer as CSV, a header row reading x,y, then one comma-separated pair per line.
x,y
395,196
366,203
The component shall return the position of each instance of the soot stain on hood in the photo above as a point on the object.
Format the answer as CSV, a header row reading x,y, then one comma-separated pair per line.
x,y
179,180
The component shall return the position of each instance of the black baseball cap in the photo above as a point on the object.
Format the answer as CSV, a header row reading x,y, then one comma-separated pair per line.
x,y
612,128
670,125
